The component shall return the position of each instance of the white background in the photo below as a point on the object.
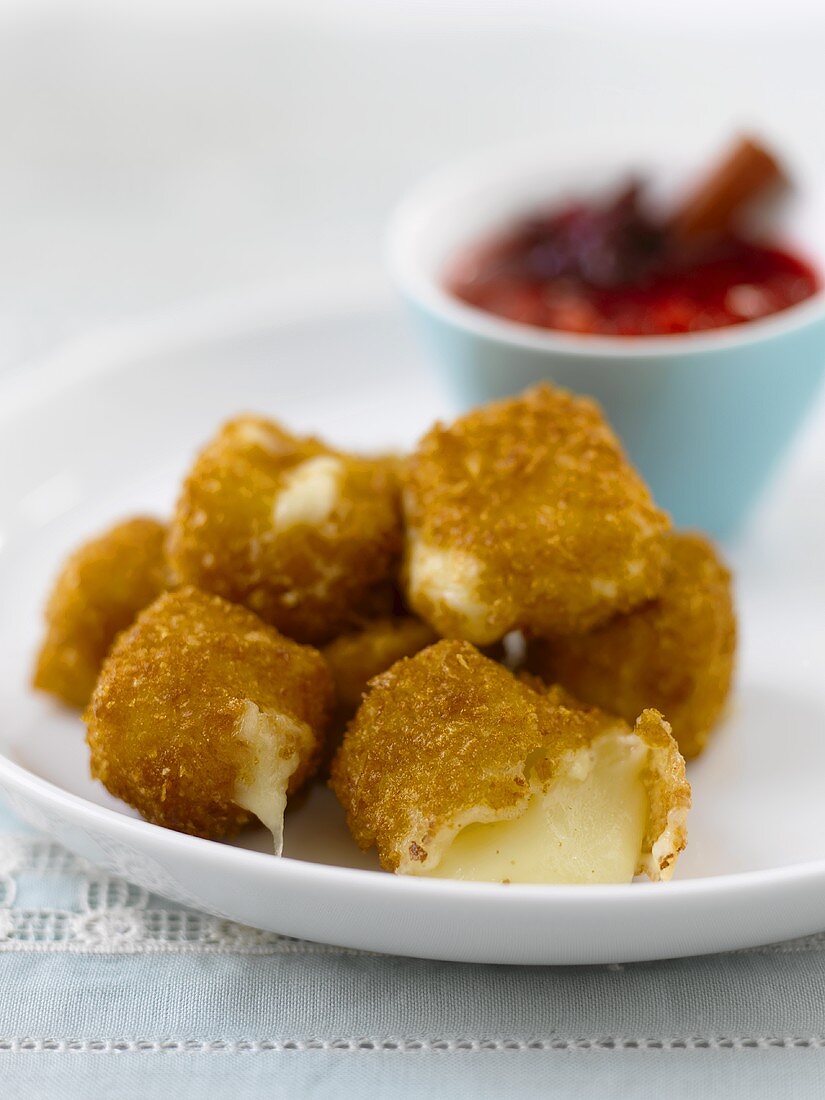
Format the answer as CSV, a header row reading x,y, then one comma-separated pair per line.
x,y
155,151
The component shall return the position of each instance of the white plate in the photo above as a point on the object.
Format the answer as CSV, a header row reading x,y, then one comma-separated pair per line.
x,y
108,429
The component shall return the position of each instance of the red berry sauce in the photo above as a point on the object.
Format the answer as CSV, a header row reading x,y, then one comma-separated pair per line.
x,y
612,269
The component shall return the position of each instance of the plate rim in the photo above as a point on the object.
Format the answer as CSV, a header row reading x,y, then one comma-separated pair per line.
x,y
20,778
272,307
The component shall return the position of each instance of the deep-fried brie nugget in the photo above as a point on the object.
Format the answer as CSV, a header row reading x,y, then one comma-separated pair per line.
x,y
98,592
356,657
203,715
452,767
525,514
676,653
295,531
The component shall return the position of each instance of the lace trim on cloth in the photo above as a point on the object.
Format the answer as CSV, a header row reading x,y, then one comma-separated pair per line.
x,y
105,914
403,1046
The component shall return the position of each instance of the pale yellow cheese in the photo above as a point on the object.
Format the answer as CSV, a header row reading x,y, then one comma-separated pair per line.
x,y
262,786
587,826
451,577
309,494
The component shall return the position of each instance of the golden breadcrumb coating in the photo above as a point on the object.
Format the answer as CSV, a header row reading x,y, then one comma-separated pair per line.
x,y
450,739
525,514
675,653
203,715
297,532
384,601
437,735
355,658
98,592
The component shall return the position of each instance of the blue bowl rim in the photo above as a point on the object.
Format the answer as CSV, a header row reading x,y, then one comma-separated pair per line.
x,y
425,291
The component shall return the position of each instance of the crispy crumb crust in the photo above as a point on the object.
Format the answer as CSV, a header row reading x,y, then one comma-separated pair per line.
x,y
449,738
536,489
669,795
356,657
97,593
676,653
439,735
307,580
164,719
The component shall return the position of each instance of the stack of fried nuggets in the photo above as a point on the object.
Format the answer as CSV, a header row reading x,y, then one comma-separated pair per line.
x,y
192,647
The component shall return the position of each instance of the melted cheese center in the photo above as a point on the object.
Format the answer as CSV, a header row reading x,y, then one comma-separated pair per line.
x,y
262,788
309,494
587,826
450,578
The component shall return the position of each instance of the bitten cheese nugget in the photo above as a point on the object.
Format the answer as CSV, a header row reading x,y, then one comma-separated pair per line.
x,y
675,653
295,531
98,592
525,514
204,716
452,767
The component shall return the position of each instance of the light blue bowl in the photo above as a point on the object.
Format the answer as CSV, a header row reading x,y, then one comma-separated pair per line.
x,y
705,416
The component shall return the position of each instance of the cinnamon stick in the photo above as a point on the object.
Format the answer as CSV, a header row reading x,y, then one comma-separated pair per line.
x,y
746,174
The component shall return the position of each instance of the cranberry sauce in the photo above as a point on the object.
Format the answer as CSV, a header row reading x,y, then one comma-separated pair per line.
x,y
611,268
